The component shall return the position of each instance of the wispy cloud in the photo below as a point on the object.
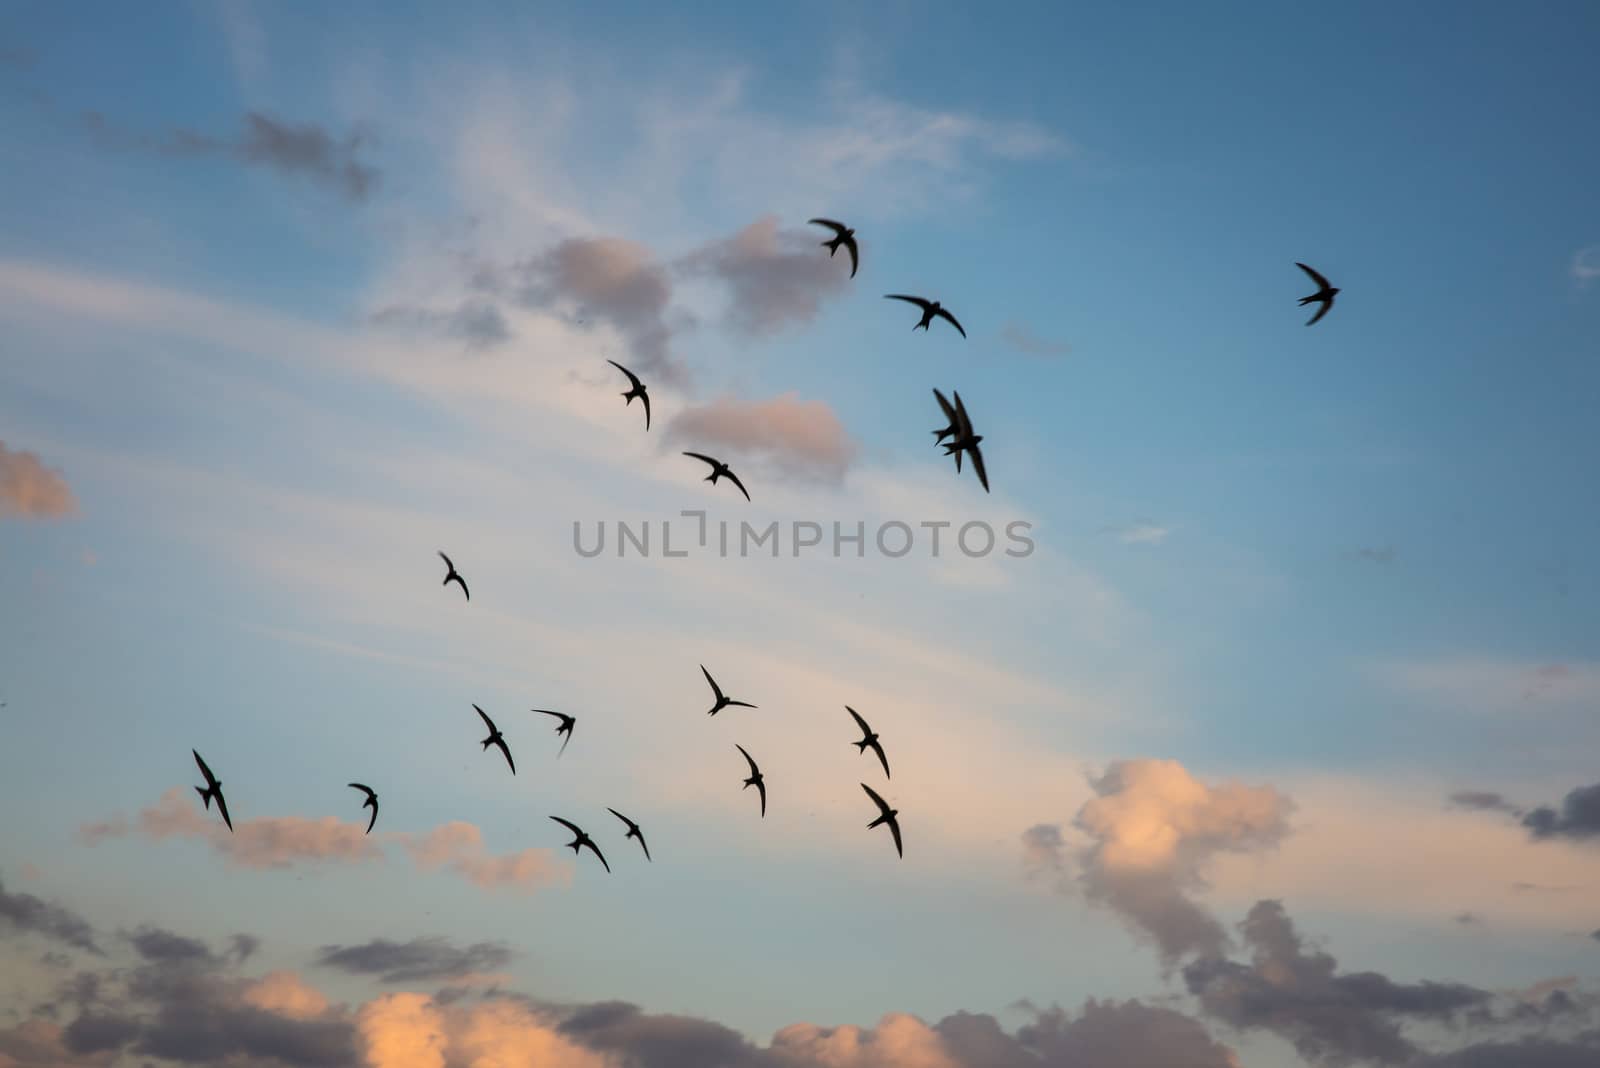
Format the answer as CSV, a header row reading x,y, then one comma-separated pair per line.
x,y
1143,533
1585,266
1028,343
31,490
25,912
417,960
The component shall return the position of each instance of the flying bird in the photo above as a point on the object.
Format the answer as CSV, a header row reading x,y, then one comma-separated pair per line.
x,y
455,576
1324,294
638,390
868,739
496,738
966,441
723,701
755,780
844,236
930,308
720,470
563,728
886,815
582,840
371,802
633,831
950,414
213,790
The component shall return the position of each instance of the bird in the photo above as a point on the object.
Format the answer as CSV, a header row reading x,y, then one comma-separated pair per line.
x,y
213,790
950,414
456,575
633,831
755,780
371,802
582,840
1324,294
723,701
966,440
720,470
563,728
869,739
845,236
496,738
638,390
886,815
930,308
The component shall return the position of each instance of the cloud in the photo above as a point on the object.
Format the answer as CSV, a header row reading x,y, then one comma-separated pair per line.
x,y
1027,342
1153,828
1482,801
163,947
1585,265
802,439
418,959
31,490
459,847
1143,533
1582,1051
1374,555
1332,1018
479,323
1578,818
1043,851
299,149
1489,682
774,279
27,913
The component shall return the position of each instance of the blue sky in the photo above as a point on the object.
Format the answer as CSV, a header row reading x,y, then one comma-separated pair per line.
x,y
1299,585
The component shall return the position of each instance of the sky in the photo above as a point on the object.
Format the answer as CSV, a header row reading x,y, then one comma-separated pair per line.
x,y
1263,735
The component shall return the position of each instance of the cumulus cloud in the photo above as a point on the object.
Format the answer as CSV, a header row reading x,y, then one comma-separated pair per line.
x,y
1152,828
459,847
1332,1018
1028,343
774,278
802,439
300,149
27,913
418,959
30,490
1577,818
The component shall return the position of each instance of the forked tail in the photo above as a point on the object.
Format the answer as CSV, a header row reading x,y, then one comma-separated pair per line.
x,y
205,795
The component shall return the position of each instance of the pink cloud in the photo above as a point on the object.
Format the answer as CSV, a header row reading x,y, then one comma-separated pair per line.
x,y
30,490
803,438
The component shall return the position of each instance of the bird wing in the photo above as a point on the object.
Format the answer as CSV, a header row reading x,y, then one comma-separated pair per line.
x,y
1323,310
222,807
963,423
894,829
568,824
374,819
211,780
547,712
761,788
446,560
877,747
596,851
945,313
918,301
859,721
735,480
977,465
512,764
702,456
1316,275
855,255
754,771
837,227
883,806
633,378
646,398
949,412
643,845
714,687
364,789
740,704
487,722
624,819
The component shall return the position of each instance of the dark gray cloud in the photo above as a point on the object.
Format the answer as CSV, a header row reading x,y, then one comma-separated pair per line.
x,y
479,323
417,960
93,1033
25,912
1483,801
1595,935
774,278
1583,1051
1028,343
1577,818
1331,1018
163,947
300,149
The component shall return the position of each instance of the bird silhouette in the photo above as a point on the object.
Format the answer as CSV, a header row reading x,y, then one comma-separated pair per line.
x,y
633,831
869,739
843,236
966,441
723,701
582,840
638,390
562,728
454,576
496,738
886,815
213,790
1324,294
930,309
952,426
755,780
720,470
371,802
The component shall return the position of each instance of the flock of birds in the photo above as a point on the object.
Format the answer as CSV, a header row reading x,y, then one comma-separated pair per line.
x,y
962,440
